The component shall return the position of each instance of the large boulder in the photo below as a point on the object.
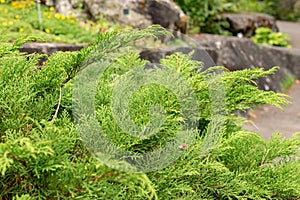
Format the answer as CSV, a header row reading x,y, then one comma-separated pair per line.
x,y
132,13
205,54
247,23
135,13
241,53
167,14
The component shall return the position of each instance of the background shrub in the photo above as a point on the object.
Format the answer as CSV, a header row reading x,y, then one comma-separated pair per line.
x,y
205,15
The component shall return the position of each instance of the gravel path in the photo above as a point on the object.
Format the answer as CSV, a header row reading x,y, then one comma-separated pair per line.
x,y
268,119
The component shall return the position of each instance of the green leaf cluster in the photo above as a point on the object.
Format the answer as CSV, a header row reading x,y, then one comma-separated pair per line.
x,y
267,36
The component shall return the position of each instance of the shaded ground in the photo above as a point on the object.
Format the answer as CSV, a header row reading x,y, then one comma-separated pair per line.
x,y
268,119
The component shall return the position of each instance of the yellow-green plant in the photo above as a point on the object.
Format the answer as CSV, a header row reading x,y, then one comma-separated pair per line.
x,y
267,36
20,19
42,155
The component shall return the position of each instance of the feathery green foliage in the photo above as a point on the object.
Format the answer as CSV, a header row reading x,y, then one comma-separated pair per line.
x,y
42,155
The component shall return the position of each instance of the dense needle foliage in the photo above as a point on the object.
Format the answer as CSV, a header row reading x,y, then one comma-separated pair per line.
x,y
42,155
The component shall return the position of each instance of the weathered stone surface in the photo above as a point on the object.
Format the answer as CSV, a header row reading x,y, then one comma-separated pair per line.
x,y
140,13
247,23
135,13
204,54
48,48
167,14
64,7
232,52
293,60
122,12
237,54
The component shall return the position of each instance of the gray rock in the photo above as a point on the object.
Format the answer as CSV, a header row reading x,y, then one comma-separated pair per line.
x,y
290,59
167,14
237,54
247,23
135,13
121,12
205,54
64,7
48,48
140,13
232,52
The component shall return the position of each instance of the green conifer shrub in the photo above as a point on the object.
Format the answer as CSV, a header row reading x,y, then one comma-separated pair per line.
x,y
42,155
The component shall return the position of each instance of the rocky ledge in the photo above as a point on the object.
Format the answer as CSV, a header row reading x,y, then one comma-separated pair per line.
x,y
232,52
49,48
237,54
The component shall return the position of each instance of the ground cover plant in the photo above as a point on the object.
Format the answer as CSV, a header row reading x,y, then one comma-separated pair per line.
x,y
267,36
42,155
20,19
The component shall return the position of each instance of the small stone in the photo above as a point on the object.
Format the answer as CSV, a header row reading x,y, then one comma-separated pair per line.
x,y
240,35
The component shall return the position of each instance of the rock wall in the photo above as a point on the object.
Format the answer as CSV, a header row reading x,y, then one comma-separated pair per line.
x,y
232,52
240,53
